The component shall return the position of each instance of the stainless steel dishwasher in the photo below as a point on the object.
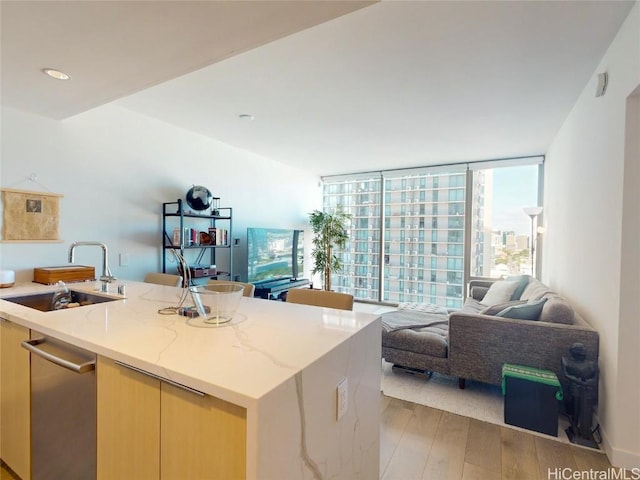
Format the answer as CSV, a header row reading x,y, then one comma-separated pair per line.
x,y
63,410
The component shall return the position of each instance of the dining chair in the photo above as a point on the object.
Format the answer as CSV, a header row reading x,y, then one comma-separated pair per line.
x,y
249,288
163,279
320,298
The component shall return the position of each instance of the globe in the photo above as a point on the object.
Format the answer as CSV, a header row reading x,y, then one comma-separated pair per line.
x,y
199,197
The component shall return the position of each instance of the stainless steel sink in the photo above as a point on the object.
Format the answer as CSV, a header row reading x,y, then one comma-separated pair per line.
x,y
47,302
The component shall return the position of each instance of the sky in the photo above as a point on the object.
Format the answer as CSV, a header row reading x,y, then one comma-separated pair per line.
x,y
513,189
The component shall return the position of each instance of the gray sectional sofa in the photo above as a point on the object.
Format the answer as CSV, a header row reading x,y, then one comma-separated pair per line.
x,y
475,345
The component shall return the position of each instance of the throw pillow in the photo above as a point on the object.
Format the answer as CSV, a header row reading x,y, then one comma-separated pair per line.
x,y
527,311
557,310
499,292
523,281
495,309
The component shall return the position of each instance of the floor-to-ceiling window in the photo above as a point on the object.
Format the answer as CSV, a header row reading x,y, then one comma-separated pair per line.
x,y
407,232
360,196
500,227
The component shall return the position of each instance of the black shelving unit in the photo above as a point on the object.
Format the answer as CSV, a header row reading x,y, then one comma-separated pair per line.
x,y
199,255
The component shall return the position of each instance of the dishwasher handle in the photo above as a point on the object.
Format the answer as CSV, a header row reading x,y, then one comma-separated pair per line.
x,y
32,346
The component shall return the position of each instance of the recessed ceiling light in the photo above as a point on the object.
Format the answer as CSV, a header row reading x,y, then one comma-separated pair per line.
x,y
57,74
245,116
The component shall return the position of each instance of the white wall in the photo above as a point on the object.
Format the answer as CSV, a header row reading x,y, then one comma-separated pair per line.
x,y
590,190
628,388
115,168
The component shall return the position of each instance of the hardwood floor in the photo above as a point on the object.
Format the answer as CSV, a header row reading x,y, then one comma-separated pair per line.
x,y
418,442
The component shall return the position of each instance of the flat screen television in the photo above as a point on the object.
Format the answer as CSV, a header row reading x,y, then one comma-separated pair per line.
x,y
274,253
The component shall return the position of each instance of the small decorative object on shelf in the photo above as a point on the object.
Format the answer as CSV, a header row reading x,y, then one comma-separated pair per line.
x,y
205,238
196,234
199,198
215,206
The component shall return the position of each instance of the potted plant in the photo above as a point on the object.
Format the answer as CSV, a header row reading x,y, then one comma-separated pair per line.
x,y
329,231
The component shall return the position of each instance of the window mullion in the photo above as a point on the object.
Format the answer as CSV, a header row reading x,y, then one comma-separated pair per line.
x,y
468,214
382,240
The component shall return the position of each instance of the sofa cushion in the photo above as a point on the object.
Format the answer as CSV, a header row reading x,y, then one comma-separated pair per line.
x,y
432,341
471,305
423,307
557,310
495,309
401,319
527,311
523,281
534,290
477,292
500,292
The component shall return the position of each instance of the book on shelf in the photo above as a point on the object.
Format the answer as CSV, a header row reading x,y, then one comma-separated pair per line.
x,y
194,237
191,236
219,236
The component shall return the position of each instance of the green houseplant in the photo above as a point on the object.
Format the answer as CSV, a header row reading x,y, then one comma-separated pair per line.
x,y
329,231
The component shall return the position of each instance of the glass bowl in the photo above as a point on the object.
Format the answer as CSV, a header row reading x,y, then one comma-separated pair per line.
x,y
217,303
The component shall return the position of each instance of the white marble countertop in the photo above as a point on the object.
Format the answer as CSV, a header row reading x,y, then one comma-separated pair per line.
x,y
270,343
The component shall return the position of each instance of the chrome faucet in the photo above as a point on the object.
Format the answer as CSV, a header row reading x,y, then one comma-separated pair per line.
x,y
61,298
106,276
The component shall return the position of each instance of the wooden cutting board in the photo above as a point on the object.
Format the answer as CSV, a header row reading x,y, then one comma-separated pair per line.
x,y
66,273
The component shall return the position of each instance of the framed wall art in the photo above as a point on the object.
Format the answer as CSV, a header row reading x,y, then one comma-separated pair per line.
x,y
30,216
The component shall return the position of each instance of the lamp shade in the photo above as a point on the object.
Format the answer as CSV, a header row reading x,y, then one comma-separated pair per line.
x,y
532,211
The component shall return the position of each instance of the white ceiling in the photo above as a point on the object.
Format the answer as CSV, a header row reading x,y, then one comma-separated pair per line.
x,y
115,48
391,85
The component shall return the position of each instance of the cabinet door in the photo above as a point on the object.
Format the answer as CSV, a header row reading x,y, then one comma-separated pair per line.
x,y
15,387
128,428
2,320
202,436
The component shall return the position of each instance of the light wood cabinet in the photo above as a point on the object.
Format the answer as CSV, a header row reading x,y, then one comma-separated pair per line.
x,y
1,320
128,423
202,436
150,429
15,390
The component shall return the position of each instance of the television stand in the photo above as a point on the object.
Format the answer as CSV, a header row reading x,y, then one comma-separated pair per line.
x,y
277,289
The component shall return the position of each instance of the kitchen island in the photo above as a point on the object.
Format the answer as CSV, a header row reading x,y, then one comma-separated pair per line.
x,y
276,368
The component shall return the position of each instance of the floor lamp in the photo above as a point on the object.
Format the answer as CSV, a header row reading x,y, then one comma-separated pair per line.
x,y
533,213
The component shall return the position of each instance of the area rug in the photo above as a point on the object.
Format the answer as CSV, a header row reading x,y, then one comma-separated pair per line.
x,y
477,400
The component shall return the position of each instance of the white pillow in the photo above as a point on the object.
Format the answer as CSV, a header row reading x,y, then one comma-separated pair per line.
x,y
499,292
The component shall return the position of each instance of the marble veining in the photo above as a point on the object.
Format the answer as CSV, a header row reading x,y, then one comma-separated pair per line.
x,y
244,343
315,444
304,453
